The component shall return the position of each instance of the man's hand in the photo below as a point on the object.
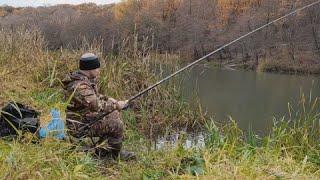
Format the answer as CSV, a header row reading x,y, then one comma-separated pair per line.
x,y
112,100
122,104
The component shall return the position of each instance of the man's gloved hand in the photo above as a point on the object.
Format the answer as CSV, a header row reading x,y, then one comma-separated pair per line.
x,y
112,100
122,104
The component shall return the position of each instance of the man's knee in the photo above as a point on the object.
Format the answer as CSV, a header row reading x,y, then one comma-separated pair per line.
x,y
111,126
116,127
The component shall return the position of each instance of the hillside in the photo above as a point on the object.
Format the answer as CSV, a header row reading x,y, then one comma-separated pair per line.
x,y
186,27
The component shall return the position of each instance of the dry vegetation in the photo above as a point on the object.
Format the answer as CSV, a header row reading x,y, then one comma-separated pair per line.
x,y
190,28
30,73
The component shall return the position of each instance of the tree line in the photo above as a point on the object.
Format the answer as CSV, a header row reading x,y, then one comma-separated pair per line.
x,y
190,28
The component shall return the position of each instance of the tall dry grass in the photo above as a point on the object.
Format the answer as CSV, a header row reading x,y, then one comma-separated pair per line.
x,y
32,74
290,151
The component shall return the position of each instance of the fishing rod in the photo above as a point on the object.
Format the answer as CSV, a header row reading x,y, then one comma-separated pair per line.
x,y
97,119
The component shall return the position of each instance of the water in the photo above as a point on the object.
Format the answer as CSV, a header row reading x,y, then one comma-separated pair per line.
x,y
254,100
250,98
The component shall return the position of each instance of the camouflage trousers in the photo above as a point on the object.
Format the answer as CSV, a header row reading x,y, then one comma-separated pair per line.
x,y
109,132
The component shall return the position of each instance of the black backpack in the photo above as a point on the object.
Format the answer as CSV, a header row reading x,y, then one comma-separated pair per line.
x,y
15,117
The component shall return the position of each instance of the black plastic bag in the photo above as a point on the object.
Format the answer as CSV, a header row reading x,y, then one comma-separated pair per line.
x,y
16,117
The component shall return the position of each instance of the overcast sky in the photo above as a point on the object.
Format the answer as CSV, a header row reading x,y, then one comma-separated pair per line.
x,y
34,3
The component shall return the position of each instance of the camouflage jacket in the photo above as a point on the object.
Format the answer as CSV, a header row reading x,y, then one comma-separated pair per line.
x,y
85,101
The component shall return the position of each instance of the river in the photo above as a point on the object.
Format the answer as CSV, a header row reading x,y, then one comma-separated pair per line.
x,y
252,99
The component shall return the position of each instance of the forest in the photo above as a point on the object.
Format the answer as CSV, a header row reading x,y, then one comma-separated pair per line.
x,y
188,28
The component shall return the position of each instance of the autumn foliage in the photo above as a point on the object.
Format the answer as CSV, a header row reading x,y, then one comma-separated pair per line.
x,y
190,28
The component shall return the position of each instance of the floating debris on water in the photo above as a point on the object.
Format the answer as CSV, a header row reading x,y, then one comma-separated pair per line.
x,y
188,141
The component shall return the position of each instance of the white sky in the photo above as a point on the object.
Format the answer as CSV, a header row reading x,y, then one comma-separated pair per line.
x,y
34,3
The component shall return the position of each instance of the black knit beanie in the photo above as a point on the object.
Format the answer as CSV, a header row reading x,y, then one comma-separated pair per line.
x,y
89,61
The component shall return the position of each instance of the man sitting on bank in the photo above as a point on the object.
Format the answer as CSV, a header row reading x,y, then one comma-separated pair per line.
x,y
87,103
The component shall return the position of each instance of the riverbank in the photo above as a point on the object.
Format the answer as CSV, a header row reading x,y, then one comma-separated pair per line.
x,y
32,75
294,67
289,152
289,67
275,66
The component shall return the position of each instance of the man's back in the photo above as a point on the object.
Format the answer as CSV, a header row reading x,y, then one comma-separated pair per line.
x,y
83,96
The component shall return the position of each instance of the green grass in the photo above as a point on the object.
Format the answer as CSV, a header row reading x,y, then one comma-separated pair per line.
x,y
290,151
21,160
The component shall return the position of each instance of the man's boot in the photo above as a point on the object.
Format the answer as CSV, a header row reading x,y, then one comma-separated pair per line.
x,y
127,155
116,147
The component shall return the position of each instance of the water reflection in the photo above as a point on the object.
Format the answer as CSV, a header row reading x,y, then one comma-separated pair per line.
x,y
250,98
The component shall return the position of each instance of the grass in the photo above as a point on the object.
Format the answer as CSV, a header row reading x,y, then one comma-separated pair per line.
x,y
290,151
288,67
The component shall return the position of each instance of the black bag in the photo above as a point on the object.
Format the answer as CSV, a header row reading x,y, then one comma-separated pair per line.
x,y
16,116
